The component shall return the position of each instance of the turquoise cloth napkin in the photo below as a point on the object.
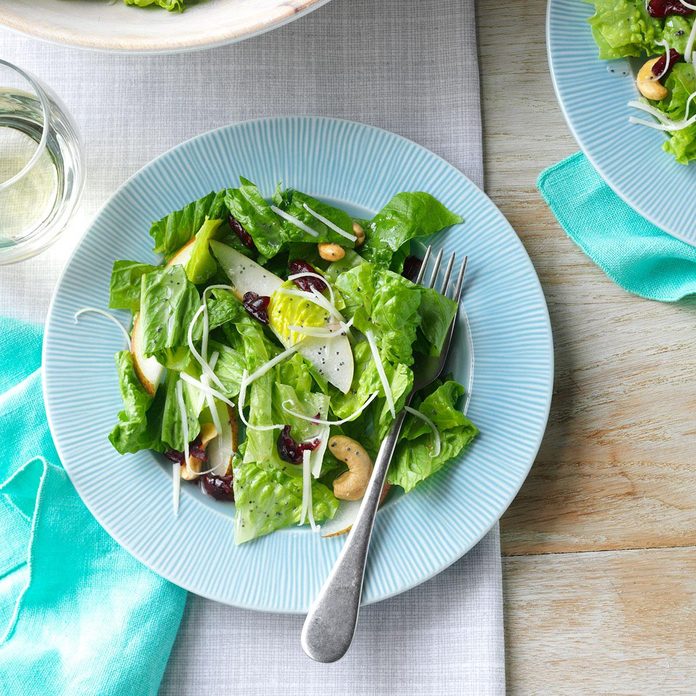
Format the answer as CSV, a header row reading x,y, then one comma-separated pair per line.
x,y
635,254
79,616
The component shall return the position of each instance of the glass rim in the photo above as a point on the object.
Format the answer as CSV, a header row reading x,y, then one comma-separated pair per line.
x,y
46,109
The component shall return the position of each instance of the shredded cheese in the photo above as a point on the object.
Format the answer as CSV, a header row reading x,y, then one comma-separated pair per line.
x,y
380,371
204,388
324,332
295,221
665,123
176,474
272,363
437,445
105,314
330,224
176,487
689,50
307,509
320,421
189,339
209,398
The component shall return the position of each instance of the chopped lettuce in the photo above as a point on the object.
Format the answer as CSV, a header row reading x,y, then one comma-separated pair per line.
x,y
168,302
269,498
202,266
294,202
134,431
176,229
406,216
415,459
171,5
271,232
681,83
623,28
254,214
124,289
676,31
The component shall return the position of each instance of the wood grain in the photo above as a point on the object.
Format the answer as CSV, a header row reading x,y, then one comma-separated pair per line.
x,y
601,623
616,469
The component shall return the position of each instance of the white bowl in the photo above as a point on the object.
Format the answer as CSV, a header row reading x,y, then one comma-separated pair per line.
x,y
113,26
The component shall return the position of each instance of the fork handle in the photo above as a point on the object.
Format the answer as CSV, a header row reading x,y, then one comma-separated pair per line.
x,y
330,624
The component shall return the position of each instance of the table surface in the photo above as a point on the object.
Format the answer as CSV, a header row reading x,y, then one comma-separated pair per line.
x,y
599,546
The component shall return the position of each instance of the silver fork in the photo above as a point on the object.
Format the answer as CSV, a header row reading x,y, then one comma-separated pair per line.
x,y
333,616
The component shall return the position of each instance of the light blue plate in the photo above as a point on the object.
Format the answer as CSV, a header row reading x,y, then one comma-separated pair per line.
x,y
417,535
593,95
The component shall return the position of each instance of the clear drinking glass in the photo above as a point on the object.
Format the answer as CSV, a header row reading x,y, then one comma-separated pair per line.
x,y
41,173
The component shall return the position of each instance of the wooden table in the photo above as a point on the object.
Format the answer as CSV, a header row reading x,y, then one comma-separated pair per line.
x,y
600,544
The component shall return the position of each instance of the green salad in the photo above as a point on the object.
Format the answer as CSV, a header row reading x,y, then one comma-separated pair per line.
x,y
276,337
171,5
664,31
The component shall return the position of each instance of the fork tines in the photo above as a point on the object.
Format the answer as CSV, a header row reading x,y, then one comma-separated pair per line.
x,y
445,284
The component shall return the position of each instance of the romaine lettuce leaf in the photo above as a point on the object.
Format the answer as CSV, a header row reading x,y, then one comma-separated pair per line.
x,y
681,83
414,458
202,266
272,233
124,289
168,301
293,202
269,498
436,312
624,28
229,367
133,432
171,5
174,230
251,210
676,31
407,215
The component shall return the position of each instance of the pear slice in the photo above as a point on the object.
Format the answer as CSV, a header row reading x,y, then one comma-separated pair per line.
x,y
183,256
245,275
342,521
332,357
149,370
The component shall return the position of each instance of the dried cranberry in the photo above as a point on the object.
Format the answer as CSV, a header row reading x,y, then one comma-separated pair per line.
x,y
195,450
244,236
218,487
174,456
306,284
664,8
662,61
291,450
412,266
257,306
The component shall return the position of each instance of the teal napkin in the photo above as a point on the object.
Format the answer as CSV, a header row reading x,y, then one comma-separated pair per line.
x,y
633,252
79,616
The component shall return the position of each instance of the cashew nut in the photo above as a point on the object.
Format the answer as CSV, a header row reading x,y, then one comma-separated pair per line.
x,y
359,232
191,472
648,85
353,483
331,252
